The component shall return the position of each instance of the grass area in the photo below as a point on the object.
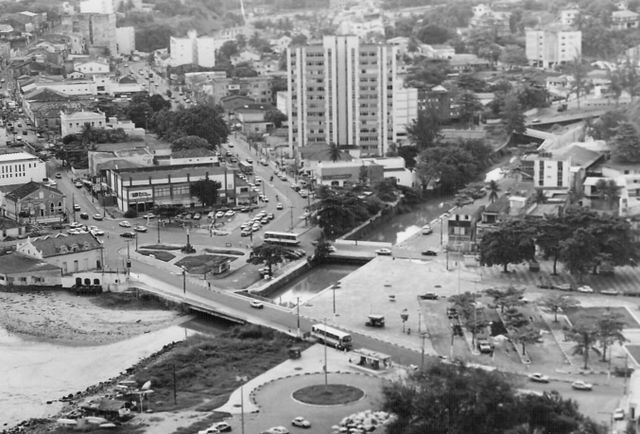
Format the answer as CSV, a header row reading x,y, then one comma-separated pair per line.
x,y
159,254
126,301
160,247
331,394
597,312
201,263
225,252
206,368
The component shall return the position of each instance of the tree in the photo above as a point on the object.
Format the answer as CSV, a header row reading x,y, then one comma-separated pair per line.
x,y
609,328
204,121
579,252
433,34
409,154
539,196
424,132
189,142
512,115
579,73
510,243
508,298
206,191
448,167
86,134
276,117
607,125
626,143
550,231
559,303
585,335
228,50
322,250
334,152
241,41
525,336
157,103
267,254
630,79
514,55
363,175
608,191
494,190
469,106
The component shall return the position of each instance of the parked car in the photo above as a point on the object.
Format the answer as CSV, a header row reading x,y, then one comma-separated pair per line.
x,y
230,213
563,287
84,216
484,346
538,378
618,414
301,422
610,292
149,216
196,216
426,230
128,234
58,175
276,430
383,252
124,224
140,228
219,214
581,385
78,184
222,426
97,232
98,216
76,207
585,289
256,304
429,253
428,296
279,206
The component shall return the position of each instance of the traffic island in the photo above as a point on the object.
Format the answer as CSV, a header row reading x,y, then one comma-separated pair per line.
x,y
330,394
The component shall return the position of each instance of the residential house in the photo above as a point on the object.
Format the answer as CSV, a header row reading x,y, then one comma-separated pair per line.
x,y
624,19
92,67
74,123
437,51
36,202
253,118
21,270
468,63
494,213
70,252
189,156
461,227
569,16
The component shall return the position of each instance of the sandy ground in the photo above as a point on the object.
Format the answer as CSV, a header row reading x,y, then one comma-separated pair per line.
x,y
63,318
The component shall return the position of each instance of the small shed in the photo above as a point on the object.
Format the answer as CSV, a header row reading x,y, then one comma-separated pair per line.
x,y
372,359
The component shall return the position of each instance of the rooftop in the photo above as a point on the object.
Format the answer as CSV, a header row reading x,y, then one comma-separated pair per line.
x,y
59,244
17,156
192,153
28,188
162,172
19,263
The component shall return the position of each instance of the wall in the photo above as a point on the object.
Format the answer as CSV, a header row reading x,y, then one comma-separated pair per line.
x,y
110,281
9,175
87,260
37,278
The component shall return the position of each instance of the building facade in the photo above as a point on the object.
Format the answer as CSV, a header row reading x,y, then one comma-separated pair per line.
x,y
549,47
70,252
341,91
73,123
21,167
35,201
22,270
192,50
125,40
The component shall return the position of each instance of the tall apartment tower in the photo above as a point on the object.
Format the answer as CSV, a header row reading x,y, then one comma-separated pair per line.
x,y
553,46
342,92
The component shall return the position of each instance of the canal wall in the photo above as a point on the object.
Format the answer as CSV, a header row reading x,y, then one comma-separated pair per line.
x,y
382,217
273,285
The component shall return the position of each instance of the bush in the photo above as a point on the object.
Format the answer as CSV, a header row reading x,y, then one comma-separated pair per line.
x,y
131,213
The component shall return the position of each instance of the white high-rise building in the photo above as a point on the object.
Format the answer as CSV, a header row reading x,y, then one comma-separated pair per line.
x,y
553,46
96,7
342,92
192,50
126,40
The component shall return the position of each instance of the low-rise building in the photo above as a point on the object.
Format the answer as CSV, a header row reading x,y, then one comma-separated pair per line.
x,y
74,123
625,19
69,252
92,67
21,270
21,167
461,227
35,202
346,173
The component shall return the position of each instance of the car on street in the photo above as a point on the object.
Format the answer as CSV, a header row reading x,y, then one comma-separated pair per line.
x,y
246,232
610,292
256,304
76,207
84,216
124,224
383,252
536,377
98,217
585,289
58,175
563,287
128,234
271,216
230,213
264,220
301,422
140,228
255,227
78,184
149,215
426,230
279,206
222,426
428,296
618,414
219,214
276,430
429,253
581,385
75,225
196,216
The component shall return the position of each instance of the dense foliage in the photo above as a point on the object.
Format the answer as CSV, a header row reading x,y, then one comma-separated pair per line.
x,y
202,120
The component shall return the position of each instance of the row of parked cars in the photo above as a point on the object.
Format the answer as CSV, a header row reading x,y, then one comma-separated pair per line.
x,y
254,224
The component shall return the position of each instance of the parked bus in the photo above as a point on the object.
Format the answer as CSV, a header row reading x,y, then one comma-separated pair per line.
x,y
330,336
246,167
284,238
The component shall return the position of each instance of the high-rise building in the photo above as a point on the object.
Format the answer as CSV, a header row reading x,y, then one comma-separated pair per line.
x,y
192,50
553,46
342,92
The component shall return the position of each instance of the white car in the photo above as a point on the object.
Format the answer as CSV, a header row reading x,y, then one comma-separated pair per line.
x,y
426,230
581,385
610,292
276,430
140,228
538,378
124,224
383,251
279,206
256,304
230,213
585,289
618,414
149,216
97,232
219,214
301,422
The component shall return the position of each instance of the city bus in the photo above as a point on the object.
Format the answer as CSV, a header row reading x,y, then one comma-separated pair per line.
x,y
331,336
284,238
246,167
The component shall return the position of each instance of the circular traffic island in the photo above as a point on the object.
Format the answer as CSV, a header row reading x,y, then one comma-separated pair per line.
x,y
331,394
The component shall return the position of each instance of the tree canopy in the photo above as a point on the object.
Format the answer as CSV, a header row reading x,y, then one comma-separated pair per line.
x,y
267,254
626,143
511,243
189,142
204,121
206,190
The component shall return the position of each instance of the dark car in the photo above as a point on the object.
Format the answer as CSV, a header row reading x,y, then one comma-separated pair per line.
x,y
128,234
428,296
84,216
429,253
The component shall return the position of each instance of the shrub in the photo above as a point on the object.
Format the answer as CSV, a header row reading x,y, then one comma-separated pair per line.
x,y
131,213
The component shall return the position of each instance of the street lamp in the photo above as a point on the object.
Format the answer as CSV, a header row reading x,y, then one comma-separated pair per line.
x,y
333,289
184,280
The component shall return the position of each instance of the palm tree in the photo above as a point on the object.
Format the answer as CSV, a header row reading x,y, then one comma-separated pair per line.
x,y
493,188
608,191
86,135
609,331
334,152
585,335
539,197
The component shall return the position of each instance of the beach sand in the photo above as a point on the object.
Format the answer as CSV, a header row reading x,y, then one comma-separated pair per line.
x,y
63,318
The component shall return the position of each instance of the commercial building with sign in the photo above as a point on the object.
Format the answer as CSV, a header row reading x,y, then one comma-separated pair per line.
x,y
341,173
146,187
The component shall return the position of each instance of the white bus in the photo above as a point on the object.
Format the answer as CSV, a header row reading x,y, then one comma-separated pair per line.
x,y
330,336
284,238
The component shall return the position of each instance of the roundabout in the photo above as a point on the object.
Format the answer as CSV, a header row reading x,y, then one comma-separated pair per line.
x,y
330,394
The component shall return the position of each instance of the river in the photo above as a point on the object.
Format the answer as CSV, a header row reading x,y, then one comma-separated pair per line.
x,y
32,372
403,226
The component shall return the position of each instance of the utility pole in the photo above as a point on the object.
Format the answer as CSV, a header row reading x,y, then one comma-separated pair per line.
x,y
158,222
291,213
326,379
175,389
184,281
298,314
423,336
